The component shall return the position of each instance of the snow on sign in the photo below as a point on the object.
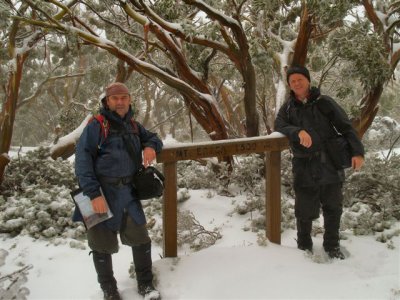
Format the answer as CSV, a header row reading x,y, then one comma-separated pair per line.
x,y
222,148
173,153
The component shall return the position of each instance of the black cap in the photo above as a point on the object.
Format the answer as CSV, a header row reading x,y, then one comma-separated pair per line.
x,y
298,70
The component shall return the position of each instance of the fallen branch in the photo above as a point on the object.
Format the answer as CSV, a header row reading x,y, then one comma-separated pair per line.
x,y
9,276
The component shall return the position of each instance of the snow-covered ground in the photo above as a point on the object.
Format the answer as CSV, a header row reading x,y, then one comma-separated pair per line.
x,y
236,267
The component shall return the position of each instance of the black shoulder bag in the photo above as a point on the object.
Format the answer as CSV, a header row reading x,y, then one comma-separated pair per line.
x,y
147,182
338,147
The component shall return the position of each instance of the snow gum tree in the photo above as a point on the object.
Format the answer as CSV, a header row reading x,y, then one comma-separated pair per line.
x,y
203,30
10,94
351,49
286,33
18,41
226,59
380,51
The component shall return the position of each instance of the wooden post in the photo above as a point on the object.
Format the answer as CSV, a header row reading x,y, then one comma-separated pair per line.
x,y
273,196
170,155
170,210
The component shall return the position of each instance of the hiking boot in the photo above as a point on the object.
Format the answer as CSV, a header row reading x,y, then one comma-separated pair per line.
x,y
148,291
144,273
111,294
335,253
143,263
305,247
304,241
105,275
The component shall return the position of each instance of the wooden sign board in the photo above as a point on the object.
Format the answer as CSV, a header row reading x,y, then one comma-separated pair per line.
x,y
222,148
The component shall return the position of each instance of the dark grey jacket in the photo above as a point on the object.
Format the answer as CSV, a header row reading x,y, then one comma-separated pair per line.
x,y
318,116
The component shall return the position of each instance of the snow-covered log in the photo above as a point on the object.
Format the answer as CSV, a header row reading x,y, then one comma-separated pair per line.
x,y
65,146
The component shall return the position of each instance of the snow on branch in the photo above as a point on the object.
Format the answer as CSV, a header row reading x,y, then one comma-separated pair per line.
x,y
214,14
28,43
176,29
111,47
173,27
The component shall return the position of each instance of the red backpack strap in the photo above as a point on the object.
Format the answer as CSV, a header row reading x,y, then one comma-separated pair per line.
x,y
104,124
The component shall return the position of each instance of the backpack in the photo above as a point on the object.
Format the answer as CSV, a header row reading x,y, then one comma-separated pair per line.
x,y
148,182
105,127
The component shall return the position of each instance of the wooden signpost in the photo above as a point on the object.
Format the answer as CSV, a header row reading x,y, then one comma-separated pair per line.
x,y
170,155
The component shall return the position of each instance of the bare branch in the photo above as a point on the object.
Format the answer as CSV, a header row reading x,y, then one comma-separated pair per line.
x,y
371,14
22,270
213,14
50,18
83,24
207,62
42,84
178,111
172,28
392,26
130,33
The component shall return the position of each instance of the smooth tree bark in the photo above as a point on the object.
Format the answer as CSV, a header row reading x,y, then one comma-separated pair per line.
x,y
194,87
159,37
303,38
199,98
18,55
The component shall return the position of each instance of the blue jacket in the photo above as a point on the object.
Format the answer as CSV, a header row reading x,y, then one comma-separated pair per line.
x,y
97,158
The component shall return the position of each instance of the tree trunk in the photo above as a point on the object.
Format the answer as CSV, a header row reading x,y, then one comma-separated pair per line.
x,y
252,120
233,116
204,110
369,109
301,47
7,115
147,98
369,103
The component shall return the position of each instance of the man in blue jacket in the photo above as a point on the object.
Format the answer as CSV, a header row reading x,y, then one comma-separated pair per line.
x,y
309,120
103,161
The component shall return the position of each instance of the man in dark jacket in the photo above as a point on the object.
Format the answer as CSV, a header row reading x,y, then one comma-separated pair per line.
x,y
104,169
309,119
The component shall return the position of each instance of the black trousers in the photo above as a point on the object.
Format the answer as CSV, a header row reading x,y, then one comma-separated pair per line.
x,y
329,197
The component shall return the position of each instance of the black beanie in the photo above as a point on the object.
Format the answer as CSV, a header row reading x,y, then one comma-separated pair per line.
x,y
298,70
